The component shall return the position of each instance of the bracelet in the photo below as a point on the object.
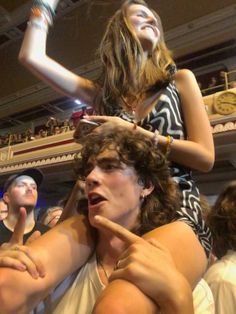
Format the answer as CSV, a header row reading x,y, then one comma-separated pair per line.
x,y
44,5
134,126
38,13
39,25
43,9
169,143
155,138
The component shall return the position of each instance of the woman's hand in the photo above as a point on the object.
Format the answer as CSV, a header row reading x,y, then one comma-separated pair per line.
x,y
18,256
149,266
109,122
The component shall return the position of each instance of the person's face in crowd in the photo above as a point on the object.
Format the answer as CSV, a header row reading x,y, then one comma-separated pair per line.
x,y
57,130
113,189
145,26
22,193
44,134
3,210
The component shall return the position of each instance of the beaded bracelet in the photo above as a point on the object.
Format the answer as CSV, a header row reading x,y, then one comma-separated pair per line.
x,y
170,141
155,138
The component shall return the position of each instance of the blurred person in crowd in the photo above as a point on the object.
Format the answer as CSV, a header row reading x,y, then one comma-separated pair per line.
x,y
51,124
42,133
51,216
3,209
21,190
221,276
56,130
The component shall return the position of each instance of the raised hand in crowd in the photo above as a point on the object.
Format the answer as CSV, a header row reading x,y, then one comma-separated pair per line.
x,y
15,254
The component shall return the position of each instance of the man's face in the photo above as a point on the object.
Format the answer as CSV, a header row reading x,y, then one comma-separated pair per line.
x,y
113,190
22,193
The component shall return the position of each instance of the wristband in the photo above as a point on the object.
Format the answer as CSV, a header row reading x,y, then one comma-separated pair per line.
x,y
169,143
41,8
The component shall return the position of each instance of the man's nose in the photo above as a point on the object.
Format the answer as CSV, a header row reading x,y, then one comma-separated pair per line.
x,y
29,188
93,178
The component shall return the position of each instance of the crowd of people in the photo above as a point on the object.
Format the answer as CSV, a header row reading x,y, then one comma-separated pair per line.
x,y
217,83
131,237
52,127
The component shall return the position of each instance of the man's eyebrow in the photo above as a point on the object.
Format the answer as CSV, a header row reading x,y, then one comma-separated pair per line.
x,y
108,159
22,181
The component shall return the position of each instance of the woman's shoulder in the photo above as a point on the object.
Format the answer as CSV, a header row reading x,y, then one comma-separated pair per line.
x,y
183,74
184,79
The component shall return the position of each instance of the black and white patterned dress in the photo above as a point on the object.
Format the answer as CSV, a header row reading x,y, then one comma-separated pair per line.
x,y
167,118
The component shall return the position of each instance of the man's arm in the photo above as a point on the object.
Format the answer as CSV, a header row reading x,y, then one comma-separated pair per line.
x,y
62,250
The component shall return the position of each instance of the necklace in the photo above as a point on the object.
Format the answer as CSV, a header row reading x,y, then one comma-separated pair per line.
x,y
141,105
132,107
103,268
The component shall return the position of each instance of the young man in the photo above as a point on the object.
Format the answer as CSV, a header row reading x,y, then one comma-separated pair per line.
x,y
127,180
21,190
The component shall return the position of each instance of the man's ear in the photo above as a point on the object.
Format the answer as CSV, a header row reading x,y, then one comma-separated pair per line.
x,y
6,197
148,189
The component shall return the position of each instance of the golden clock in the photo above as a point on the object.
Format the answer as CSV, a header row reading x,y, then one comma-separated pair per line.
x,y
225,103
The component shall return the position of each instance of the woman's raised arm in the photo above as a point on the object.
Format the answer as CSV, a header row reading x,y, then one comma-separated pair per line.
x,y
33,56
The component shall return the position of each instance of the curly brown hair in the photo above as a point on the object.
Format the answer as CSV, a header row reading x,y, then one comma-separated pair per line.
x,y
125,71
222,221
150,164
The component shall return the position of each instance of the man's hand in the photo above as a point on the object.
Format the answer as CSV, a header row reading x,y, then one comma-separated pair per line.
x,y
18,256
149,266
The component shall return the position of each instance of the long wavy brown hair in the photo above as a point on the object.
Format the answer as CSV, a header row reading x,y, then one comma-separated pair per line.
x,y
222,221
125,71
158,208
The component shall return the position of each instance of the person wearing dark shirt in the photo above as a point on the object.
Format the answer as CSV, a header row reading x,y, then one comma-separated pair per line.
x,y
21,190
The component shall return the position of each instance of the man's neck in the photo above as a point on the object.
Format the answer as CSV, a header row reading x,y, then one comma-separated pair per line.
x,y
12,218
109,248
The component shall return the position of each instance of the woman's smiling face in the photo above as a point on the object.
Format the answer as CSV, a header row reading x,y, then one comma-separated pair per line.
x,y
144,25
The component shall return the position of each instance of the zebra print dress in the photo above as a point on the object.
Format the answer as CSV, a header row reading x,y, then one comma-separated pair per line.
x,y
166,117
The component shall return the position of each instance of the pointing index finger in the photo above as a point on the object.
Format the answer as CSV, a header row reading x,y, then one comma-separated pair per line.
x,y
119,231
17,236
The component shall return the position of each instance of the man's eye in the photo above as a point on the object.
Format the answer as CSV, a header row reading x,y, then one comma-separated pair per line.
x,y
20,185
111,166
